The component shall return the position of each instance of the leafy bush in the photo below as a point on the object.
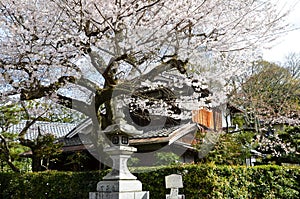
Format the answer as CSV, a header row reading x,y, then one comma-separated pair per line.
x,y
49,184
230,149
166,158
200,181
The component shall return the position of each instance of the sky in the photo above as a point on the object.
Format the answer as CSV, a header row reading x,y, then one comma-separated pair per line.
x,y
290,42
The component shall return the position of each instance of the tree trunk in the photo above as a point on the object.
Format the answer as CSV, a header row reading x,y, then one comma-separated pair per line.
x,y
36,162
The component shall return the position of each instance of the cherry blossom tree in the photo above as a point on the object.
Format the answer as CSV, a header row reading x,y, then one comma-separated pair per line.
x,y
79,53
280,147
46,44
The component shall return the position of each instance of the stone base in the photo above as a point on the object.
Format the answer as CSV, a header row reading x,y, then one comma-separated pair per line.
x,y
119,189
179,197
119,195
119,186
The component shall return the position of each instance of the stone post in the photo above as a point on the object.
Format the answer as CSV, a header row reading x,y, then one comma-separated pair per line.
x,y
174,182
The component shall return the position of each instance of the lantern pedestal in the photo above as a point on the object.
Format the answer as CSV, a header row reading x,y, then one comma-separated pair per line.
x,y
119,156
119,183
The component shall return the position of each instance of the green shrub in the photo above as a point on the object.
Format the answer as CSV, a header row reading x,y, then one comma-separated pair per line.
x,y
166,158
49,184
200,181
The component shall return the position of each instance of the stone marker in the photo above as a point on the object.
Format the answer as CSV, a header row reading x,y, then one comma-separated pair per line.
x,y
174,182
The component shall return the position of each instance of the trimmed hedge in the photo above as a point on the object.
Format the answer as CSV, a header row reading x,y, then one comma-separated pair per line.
x,y
50,184
210,181
200,181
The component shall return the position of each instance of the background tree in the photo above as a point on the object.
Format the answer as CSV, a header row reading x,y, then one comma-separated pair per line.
x,y
79,53
292,63
9,147
43,147
268,93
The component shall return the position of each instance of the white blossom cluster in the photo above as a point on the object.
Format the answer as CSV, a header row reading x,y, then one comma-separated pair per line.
x,y
186,94
274,145
47,38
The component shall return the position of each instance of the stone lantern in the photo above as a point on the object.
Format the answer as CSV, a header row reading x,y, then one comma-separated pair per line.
x,y
119,183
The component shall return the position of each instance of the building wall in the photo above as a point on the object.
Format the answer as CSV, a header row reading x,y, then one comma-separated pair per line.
x,y
210,118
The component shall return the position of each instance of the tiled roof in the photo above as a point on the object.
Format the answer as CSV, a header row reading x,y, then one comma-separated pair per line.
x,y
166,135
60,130
170,135
75,141
57,129
164,132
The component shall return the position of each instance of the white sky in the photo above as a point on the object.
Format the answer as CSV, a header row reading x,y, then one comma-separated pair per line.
x,y
290,42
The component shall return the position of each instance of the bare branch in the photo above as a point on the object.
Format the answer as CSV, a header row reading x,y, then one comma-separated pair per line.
x,y
41,91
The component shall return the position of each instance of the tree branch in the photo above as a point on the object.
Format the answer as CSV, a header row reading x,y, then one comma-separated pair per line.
x,y
40,91
165,66
4,149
